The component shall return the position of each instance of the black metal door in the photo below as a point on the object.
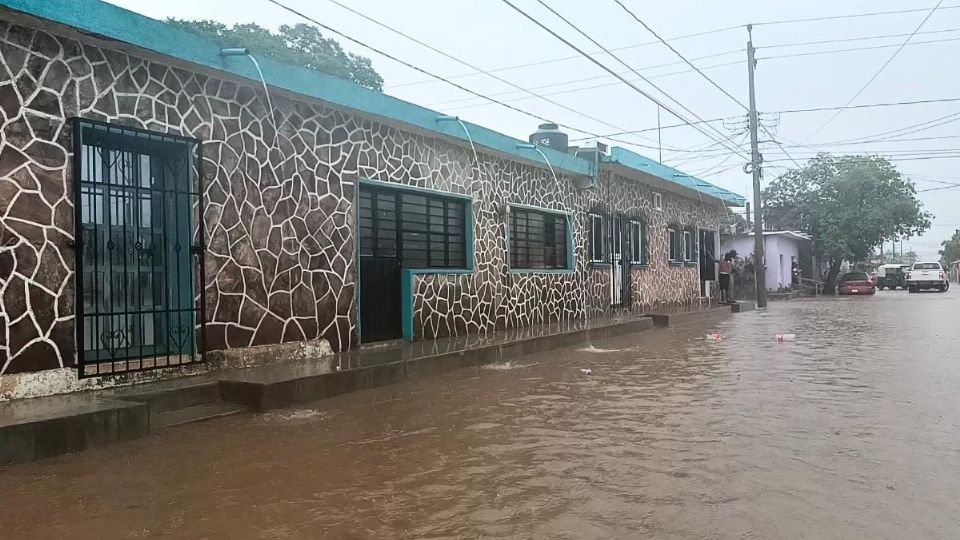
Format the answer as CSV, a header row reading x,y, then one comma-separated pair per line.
x,y
379,266
379,299
137,199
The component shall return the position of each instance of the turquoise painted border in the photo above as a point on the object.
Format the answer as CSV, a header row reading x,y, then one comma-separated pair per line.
x,y
112,22
571,253
635,161
408,275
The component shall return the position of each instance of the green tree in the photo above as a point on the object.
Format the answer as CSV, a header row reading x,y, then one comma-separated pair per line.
x,y
849,204
951,250
301,45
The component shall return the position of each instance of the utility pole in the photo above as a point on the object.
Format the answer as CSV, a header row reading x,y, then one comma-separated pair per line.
x,y
659,137
758,255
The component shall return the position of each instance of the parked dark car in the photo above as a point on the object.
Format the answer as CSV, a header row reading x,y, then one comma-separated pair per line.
x,y
855,283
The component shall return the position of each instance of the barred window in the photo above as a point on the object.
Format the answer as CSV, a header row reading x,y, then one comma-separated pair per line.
x,y
673,241
538,240
597,252
638,242
688,246
423,230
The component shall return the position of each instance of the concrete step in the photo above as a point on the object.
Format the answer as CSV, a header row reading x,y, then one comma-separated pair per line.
x,y
172,395
195,413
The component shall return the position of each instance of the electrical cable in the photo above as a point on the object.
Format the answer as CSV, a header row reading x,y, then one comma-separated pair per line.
x,y
471,66
606,68
405,63
878,72
851,16
704,75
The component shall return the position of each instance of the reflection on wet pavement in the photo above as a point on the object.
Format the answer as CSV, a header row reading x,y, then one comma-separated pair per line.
x,y
848,431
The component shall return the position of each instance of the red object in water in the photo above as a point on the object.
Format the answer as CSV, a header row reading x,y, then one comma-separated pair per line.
x,y
856,283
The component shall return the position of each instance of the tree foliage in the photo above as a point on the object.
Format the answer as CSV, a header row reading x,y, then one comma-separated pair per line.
x,y
951,250
849,204
301,45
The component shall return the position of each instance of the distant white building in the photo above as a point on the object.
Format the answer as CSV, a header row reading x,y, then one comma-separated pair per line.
x,y
782,250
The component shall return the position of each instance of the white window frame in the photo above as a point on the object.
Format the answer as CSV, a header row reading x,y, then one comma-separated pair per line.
x,y
636,240
686,246
597,219
671,232
657,201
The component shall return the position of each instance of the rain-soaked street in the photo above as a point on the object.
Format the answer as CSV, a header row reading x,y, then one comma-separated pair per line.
x,y
850,431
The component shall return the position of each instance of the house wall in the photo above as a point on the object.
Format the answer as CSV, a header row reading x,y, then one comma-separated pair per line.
x,y
279,214
776,248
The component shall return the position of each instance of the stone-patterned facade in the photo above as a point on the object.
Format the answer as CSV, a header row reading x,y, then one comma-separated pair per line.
x,y
280,260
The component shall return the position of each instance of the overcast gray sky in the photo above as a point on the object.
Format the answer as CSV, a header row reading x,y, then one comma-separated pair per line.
x,y
490,35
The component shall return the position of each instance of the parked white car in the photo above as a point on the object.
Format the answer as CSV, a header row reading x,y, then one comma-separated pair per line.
x,y
927,275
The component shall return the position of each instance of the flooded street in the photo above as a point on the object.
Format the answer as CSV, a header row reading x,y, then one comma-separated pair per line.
x,y
849,431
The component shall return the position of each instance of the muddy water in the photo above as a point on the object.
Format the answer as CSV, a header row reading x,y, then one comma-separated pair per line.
x,y
850,431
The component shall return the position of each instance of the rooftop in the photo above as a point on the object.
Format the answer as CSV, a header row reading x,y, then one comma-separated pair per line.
x,y
106,21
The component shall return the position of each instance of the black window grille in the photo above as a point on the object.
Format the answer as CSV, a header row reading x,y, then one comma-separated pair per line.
x,y
538,240
638,243
674,240
597,239
688,246
139,253
422,230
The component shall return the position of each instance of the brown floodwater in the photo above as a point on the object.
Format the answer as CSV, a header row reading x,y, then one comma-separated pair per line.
x,y
849,431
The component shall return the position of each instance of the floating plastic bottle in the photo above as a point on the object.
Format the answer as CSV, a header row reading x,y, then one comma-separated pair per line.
x,y
714,337
784,337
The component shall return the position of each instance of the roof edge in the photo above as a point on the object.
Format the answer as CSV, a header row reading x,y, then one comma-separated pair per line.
x,y
107,21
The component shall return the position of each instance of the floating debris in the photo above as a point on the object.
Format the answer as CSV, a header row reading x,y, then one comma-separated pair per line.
x,y
586,371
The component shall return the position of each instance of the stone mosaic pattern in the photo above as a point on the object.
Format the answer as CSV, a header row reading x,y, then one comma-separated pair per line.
x,y
280,262
448,305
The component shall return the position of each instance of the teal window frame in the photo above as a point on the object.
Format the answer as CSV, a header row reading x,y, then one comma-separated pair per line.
x,y
571,254
408,275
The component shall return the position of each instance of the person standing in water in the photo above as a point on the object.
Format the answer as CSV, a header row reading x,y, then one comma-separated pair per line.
x,y
726,269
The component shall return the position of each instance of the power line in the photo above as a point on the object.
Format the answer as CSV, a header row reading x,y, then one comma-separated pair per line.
x,y
879,71
814,109
855,49
637,73
715,66
402,62
471,66
704,75
859,38
851,16
865,106
597,77
605,68
421,70
575,57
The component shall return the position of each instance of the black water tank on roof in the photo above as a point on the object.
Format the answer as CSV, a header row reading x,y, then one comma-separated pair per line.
x,y
549,135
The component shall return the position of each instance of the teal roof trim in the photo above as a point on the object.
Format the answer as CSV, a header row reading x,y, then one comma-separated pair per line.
x,y
632,160
112,22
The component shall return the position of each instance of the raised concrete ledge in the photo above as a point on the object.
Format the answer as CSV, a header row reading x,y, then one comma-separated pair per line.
x,y
32,429
675,316
36,428
302,381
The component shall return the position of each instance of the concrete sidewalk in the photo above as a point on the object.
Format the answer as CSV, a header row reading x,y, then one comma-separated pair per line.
x,y
31,429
